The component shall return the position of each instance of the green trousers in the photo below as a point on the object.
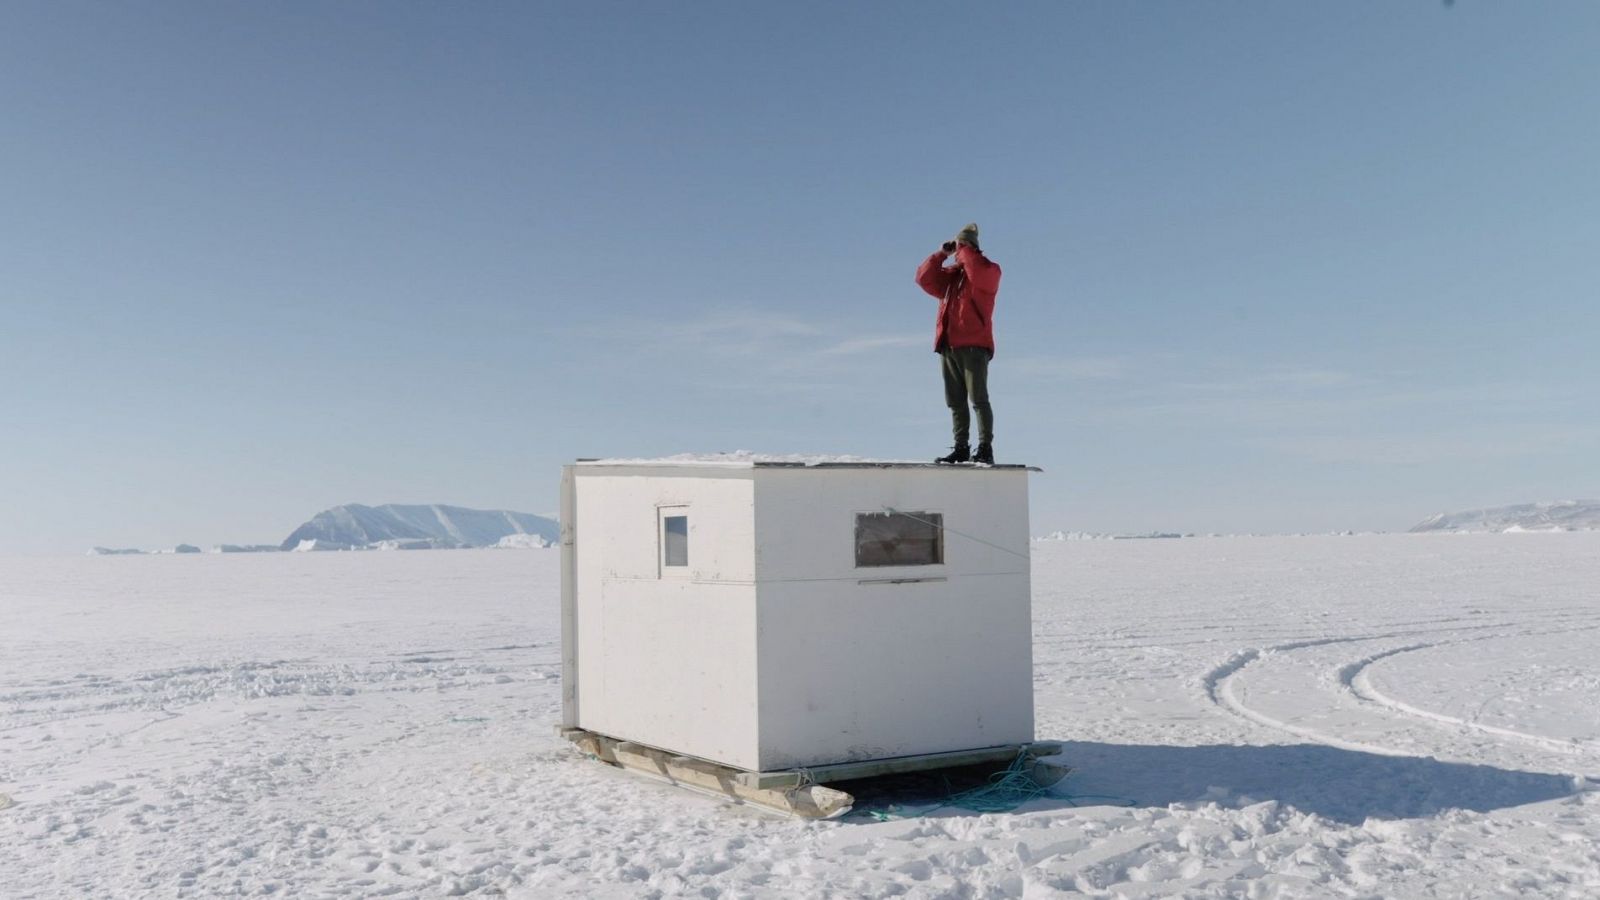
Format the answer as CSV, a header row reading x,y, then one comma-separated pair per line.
x,y
966,377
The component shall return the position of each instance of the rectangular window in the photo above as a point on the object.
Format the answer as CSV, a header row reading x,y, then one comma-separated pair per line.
x,y
899,539
674,538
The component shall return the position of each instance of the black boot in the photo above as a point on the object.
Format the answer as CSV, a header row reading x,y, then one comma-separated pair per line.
x,y
985,454
958,454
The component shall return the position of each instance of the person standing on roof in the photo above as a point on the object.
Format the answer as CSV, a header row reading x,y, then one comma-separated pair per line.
x,y
964,338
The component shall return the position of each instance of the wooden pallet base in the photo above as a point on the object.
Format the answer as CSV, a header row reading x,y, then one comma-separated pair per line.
x,y
811,801
796,792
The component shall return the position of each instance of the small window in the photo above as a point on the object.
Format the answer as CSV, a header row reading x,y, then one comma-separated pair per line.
x,y
899,539
674,538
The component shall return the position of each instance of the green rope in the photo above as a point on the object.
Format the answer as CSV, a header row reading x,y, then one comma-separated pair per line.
x,y
1007,790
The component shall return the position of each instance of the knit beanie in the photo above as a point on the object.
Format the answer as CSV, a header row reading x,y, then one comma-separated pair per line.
x,y
969,235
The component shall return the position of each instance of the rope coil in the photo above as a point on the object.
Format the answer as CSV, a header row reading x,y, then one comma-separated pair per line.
x,y
1007,790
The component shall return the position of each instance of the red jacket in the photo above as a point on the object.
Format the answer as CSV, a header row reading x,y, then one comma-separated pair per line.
x,y
966,298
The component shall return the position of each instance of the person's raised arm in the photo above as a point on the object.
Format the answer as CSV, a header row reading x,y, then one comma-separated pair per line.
x,y
983,274
932,276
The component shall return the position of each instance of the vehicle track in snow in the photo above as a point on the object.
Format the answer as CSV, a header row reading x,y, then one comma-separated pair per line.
x,y
1354,677
1220,687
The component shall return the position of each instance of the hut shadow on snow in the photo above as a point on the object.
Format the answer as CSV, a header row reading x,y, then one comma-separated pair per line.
x,y
1340,785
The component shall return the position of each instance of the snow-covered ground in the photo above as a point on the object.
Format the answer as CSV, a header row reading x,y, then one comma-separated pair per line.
x,y
1385,716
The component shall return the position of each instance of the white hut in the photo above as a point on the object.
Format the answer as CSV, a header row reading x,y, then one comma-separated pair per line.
x,y
795,622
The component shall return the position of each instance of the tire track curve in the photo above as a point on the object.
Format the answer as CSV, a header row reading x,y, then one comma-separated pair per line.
x,y
1218,685
1355,678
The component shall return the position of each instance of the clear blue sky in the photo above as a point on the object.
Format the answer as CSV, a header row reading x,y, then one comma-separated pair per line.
x,y
1268,266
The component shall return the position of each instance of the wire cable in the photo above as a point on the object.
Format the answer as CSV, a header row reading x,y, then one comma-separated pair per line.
x,y
979,540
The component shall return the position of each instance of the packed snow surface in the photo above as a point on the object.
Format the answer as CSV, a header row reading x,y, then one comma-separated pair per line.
x,y
1388,716
744,459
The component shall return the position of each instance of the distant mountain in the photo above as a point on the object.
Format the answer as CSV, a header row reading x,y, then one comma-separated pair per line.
x,y
1561,515
401,527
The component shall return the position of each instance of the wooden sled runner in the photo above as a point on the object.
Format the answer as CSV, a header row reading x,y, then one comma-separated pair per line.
x,y
798,792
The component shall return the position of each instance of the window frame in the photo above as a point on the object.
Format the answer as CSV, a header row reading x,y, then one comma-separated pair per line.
x,y
663,513
932,515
